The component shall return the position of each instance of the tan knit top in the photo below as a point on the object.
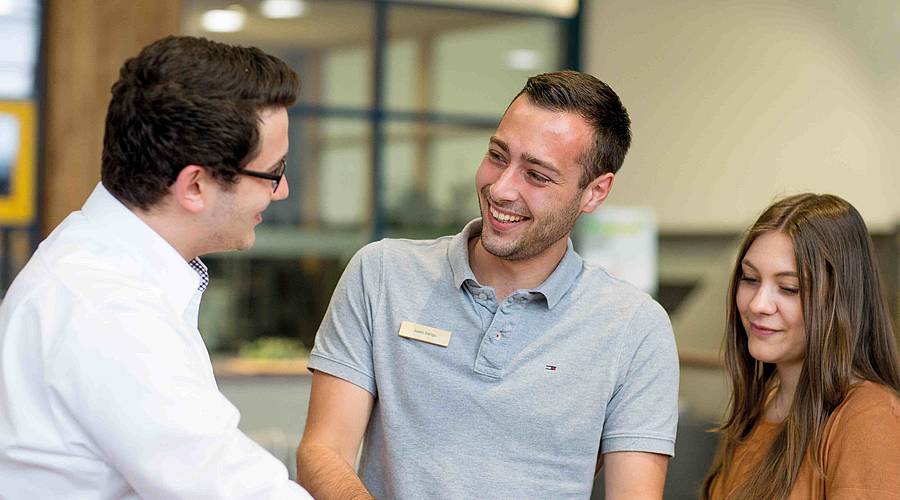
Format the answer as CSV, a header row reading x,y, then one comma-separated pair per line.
x,y
860,447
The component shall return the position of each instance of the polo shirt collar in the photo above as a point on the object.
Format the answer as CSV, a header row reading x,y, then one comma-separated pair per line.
x,y
563,277
553,288
459,253
159,262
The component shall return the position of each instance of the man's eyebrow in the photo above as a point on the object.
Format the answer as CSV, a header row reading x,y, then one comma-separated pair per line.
x,y
500,143
542,163
526,156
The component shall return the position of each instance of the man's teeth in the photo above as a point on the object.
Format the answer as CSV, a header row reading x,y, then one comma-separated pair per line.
x,y
505,218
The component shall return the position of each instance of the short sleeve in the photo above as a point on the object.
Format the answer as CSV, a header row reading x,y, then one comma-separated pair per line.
x,y
862,448
642,414
343,346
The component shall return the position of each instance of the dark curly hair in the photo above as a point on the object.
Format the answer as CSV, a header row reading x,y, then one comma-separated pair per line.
x,y
598,104
188,101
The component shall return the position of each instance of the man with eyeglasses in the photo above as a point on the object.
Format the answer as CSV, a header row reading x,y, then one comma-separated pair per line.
x,y
106,387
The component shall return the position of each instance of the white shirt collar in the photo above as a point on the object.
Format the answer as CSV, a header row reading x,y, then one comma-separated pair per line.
x,y
163,265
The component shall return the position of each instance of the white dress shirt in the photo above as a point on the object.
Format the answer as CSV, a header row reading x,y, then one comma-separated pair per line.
x,y
106,387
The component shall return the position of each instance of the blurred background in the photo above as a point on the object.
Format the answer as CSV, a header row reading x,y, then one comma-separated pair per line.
x,y
733,104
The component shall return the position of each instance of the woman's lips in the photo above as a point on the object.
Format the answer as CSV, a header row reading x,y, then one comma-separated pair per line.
x,y
762,330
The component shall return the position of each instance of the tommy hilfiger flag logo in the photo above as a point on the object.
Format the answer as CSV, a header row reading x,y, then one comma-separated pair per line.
x,y
550,368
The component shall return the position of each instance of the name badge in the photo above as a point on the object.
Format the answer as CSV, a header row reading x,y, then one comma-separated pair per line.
x,y
424,333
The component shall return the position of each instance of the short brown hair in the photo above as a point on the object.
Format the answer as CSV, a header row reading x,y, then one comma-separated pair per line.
x,y
594,101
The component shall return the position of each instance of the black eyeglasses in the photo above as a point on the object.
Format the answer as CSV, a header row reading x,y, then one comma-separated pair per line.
x,y
275,176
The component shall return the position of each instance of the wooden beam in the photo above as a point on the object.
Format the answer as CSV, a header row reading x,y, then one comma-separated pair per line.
x,y
86,42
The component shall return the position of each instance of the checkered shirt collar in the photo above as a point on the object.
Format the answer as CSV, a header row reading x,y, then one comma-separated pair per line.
x,y
198,265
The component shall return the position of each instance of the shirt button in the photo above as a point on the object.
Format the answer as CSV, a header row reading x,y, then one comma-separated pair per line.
x,y
498,335
482,296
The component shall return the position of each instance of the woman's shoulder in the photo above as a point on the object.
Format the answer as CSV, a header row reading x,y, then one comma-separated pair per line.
x,y
861,444
866,393
868,402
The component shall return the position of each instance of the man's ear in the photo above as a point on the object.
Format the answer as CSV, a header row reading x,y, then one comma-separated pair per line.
x,y
190,188
596,192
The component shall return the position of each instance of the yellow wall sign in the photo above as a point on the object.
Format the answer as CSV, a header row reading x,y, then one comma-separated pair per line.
x,y
17,162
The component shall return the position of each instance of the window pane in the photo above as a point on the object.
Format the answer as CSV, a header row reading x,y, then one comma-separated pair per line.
x,y
344,173
19,31
465,61
479,70
402,80
329,44
329,174
266,297
430,177
562,8
346,77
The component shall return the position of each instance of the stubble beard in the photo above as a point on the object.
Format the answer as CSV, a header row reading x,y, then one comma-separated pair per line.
x,y
224,238
538,237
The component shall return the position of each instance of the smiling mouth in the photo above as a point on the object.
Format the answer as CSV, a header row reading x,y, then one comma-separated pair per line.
x,y
506,218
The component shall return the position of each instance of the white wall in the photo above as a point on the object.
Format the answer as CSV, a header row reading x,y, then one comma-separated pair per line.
x,y
736,102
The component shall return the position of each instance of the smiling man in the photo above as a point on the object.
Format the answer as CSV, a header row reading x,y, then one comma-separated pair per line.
x,y
106,388
496,363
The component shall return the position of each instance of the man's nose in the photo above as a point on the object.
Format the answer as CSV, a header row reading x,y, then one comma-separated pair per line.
x,y
282,191
506,186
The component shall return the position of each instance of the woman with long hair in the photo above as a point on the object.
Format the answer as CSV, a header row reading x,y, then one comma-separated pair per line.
x,y
810,350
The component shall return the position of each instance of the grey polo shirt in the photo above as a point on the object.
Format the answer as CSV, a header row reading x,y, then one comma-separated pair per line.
x,y
528,389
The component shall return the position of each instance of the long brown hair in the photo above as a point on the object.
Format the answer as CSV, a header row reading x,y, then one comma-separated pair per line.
x,y
848,330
